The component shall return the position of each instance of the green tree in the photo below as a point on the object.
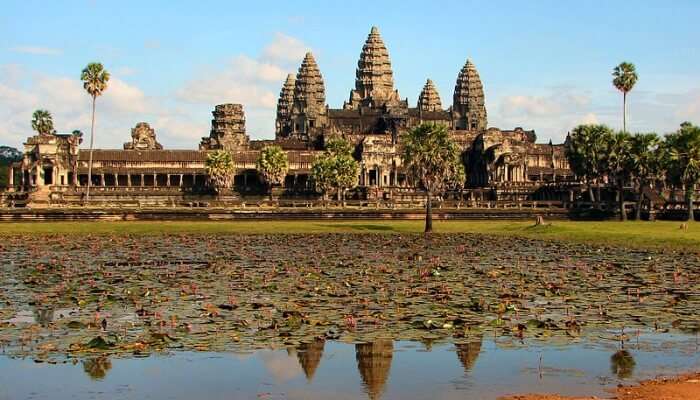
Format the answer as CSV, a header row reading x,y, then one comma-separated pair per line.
x,y
683,147
643,164
616,159
94,78
432,159
585,150
220,170
42,122
624,79
272,165
335,168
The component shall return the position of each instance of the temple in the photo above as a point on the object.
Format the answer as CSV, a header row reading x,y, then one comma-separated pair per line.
x,y
54,168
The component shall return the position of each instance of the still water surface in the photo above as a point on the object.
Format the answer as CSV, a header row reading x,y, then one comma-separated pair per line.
x,y
481,369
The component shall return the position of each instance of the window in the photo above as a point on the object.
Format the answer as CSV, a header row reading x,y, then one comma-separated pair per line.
x,y
311,123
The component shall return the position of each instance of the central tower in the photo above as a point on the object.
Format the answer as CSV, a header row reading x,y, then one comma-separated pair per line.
x,y
374,80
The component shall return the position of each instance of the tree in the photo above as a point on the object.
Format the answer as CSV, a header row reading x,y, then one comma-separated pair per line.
x,y
585,151
95,79
272,165
42,122
432,159
335,168
624,78
683,147
616,159
643,164
220,170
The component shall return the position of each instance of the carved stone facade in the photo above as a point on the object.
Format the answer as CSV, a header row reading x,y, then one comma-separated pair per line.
x,y
143,137
373,119
227,129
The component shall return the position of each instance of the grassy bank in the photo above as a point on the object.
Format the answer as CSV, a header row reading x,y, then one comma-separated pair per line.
x,y
660,234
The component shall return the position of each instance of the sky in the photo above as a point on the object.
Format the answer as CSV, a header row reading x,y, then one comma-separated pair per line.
x,y
545,65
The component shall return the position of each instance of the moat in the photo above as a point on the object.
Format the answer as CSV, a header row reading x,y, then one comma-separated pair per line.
x,y
359,315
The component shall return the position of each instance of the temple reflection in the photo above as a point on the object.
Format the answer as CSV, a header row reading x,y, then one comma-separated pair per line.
x,y
97,367
309,356
468,352
374,363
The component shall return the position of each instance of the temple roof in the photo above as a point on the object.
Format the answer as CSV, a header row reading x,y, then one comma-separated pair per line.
x,y
286,99
468,100
374,79
429,99
309,91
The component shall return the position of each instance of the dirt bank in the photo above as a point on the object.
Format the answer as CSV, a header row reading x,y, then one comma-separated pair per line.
x,y
684,387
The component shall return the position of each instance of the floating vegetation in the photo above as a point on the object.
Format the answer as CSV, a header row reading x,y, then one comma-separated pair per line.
x,y
121,294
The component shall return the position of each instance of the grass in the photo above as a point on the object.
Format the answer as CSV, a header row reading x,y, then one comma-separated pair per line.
x,y
660,234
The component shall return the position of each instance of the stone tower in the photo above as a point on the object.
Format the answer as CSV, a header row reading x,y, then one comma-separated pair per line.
x,y
283,125
374,80
429,99
227,129
468,108
143,137
309,111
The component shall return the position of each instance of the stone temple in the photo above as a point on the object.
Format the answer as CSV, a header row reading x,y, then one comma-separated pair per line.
x,y
501,163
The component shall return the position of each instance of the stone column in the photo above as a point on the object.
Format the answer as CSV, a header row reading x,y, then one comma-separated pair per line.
x,y
143,180
11,181
245,180
167,182
181,179
155,180
116,179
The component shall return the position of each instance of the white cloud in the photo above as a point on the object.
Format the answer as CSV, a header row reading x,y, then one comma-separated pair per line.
x,y
37,50
285,49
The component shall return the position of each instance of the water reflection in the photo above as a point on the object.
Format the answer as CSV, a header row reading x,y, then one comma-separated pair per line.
x,y
96,368
374,363
44,316
468,353
309,356
622,364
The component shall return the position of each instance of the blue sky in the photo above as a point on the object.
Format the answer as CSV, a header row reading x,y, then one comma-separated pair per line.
x,y
545,64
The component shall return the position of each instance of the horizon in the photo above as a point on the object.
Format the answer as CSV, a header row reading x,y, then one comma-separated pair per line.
x,y
171,64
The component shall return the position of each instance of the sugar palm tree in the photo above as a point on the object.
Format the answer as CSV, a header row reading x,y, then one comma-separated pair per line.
x,y
643,164
220,170
683,148
272,165
432,159
95,79
42,122
624,79
617,165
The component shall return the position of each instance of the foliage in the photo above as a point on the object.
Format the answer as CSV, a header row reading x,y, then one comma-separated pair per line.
x,y
335,168
272,165
42,122
95,79
683,159
220,170
624,78
432,159
585,150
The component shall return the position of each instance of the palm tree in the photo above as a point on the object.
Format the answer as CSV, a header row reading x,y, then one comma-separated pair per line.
x,y
272,165
432,159
625,76
95,79
42,122
683,148
585,151
643,164
335,168
220,170
617,165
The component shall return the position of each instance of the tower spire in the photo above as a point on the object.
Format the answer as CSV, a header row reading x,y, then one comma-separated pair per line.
x,y
374,79
469,110
429,99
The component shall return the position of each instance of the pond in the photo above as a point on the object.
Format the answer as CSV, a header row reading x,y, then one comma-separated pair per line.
x,y
483,368
303,316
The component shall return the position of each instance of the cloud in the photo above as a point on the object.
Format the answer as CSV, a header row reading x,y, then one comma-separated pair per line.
x,y
281,366
37,50
285,49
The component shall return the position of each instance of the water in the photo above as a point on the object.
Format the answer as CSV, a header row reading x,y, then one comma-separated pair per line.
x,y
484,369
